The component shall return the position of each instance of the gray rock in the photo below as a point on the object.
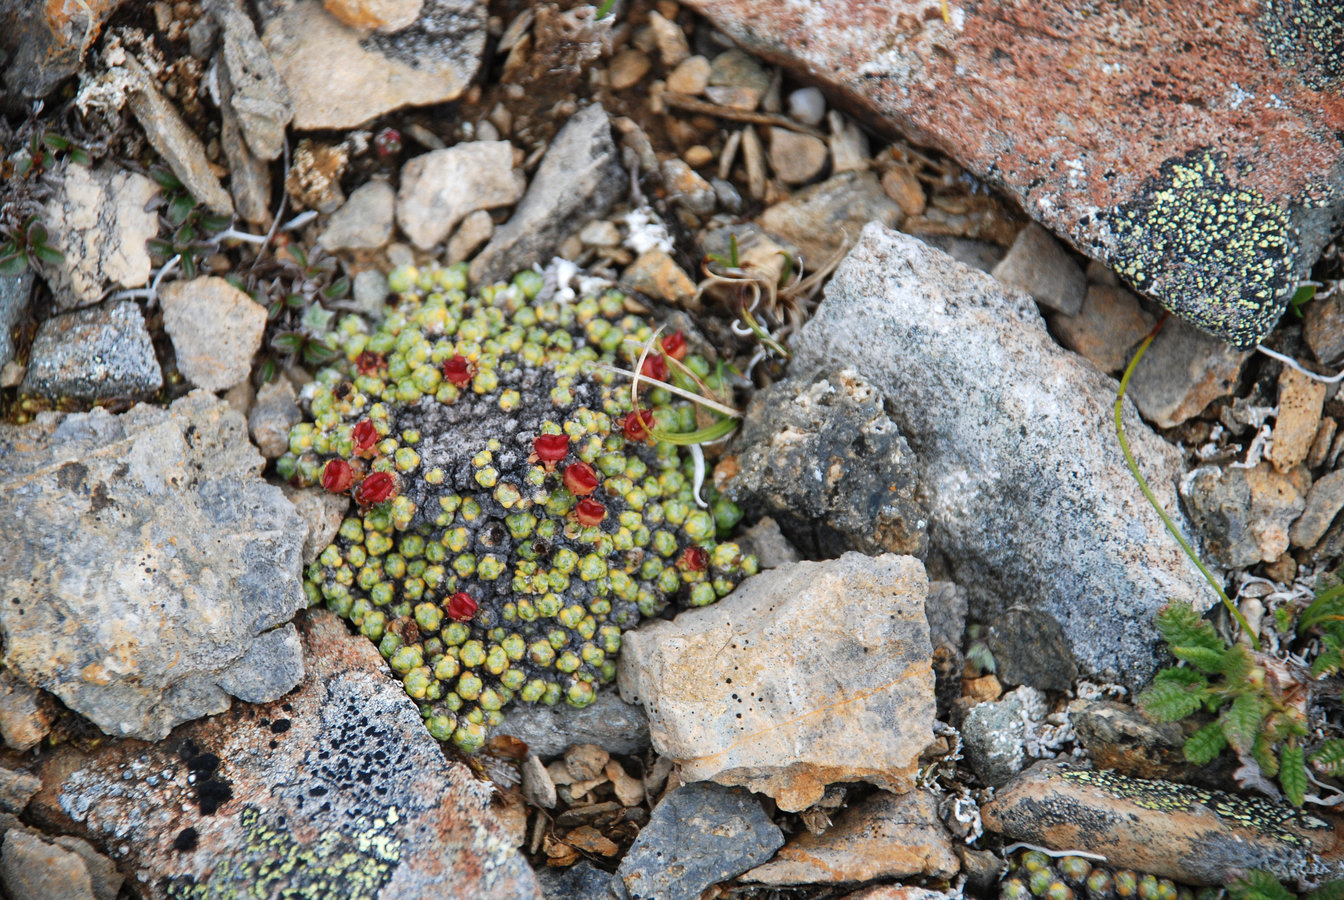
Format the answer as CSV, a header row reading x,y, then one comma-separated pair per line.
x,y
768,544
32,869
610,723
994,734
699,835
216,330
272,416
1183,371
538,788
322,512
1243,515
99,353
1323,329
737,80
370,293
1039,265
335,790
251,87
98,221
1324,501
249,177
442,187
174,140
470,236
822,458
155,571
819,220
945,609
976,254
16,789
42,44
364,222
15,290
1028,493
103,874
804,676
584,881
340,77
1029,648
1109,324
25,716
796,158
579,179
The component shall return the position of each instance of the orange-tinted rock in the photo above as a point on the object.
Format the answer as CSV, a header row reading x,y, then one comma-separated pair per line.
x,y
1191,145
47,40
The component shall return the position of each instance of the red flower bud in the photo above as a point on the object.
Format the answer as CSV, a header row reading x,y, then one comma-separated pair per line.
x,y
337,476
654,367
550,448
365,435
461,608
458,370
693,559
376,488
369,362
637,424
580,479
590,512
674,345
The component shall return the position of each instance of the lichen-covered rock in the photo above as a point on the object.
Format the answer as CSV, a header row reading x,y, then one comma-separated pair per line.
x,y
99,353
514,514
995,734
825,461
1172,830
1028,493
806,675
152,571
332,791
43,43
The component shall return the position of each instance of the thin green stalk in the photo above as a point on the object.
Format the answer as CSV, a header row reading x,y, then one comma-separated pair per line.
x,y
1147,491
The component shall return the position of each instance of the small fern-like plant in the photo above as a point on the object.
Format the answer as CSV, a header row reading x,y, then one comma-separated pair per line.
x,y
1257,884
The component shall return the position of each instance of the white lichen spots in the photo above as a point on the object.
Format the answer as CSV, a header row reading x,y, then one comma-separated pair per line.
x,y
646,231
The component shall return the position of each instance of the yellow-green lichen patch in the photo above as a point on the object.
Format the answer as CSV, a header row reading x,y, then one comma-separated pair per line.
x,y
1221,257
1306,36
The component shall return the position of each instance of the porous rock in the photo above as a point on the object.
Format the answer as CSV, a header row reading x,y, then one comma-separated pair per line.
x,y
334,790
216,330
884,836
1244,515
99,353
99,223
1013,436
1176,831
155,571
806,675
699,835
823,459
579,179
1215,199
442,187
1300,402
339,77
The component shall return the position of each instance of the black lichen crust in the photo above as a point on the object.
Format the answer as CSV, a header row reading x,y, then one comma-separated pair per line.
x,y
1306,36
458,390
1222,258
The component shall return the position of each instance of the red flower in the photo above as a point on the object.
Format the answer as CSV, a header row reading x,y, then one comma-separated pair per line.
x,y
458,370
369,362
365,435
337,476
590,512
376,488
637,424
654,367
550,448
461,608
580,479
674,345
693,559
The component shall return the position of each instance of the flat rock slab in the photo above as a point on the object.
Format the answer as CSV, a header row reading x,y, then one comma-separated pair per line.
x,y
1027,491
1192,147
806,675
151,571
1172,830
216,329
334,791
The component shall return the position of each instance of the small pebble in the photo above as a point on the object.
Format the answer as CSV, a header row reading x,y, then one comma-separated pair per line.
x,y
600,233
669,39
796,158
627,68
901,185
807,105
698,156
690,77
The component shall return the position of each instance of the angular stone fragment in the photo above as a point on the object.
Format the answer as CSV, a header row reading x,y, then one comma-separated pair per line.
x,y
1013,437
1108,325
1183,371
885,836
820,219
1037,264
365,221
1214,198
824,460
42,44
272,416
656,274
699,835
441,187
16,789
25,718
806,675
1324,501
1243,515
154,572
98,353
216,330
99,223
335,790
251,87
1175,831
1029,648
32,869
579,179
1118,736
339,77
608,722
1300,402
995,734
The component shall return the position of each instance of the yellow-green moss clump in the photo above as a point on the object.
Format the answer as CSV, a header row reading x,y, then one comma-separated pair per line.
x,y
489,565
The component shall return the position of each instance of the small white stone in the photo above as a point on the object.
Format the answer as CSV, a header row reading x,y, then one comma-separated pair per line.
x,y
807,105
